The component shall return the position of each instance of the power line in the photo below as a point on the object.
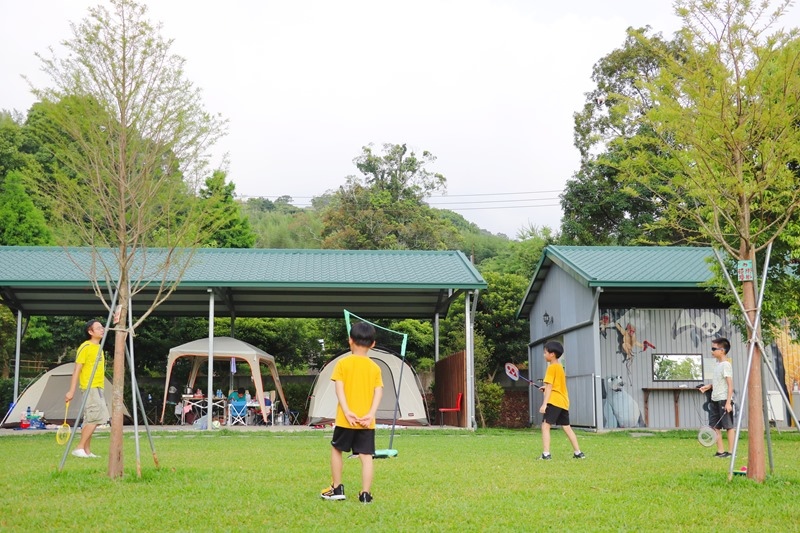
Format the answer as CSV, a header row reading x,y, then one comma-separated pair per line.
x,y
468,205
501,207
493,201
276,196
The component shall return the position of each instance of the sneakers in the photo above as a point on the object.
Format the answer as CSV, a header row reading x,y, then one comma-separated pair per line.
x,y
334,493
547,456
365,497
79,452
722,455
93,456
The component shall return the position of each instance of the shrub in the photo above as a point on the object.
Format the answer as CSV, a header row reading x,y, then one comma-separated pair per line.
x,y
490,400
297,396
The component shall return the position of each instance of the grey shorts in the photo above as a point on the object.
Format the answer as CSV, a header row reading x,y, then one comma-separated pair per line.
x,y
96,411
718,417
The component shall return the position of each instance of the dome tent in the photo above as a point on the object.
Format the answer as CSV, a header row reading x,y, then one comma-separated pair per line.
x,y
412,410
46,394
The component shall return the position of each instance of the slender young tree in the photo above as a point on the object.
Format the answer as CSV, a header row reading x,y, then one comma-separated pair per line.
x,y
131,138
727,116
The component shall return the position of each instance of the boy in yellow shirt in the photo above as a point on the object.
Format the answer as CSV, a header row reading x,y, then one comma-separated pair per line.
x,y
359,388
555,405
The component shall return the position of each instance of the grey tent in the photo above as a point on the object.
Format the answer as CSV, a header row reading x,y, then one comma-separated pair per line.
x,y
46,394
412,410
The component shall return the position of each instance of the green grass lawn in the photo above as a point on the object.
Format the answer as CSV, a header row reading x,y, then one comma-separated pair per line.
x,y
441,481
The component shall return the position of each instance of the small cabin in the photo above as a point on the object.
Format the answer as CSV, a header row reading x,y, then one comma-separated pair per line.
x,y
636,325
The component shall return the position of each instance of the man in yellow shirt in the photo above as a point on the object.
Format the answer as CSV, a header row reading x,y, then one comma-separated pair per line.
x,y
95,411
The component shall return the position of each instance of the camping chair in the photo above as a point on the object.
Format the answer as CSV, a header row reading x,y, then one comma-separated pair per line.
x,y
269,404
456,409
237,413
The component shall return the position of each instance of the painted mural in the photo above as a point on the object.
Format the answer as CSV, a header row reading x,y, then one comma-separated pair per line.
x,y
788,347
628,340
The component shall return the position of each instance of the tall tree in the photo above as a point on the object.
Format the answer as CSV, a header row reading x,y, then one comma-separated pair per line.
x,y
131,132
385,209
601,208
225,213
727,112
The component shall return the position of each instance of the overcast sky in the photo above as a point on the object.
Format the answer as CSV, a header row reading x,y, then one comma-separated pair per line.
x,y
488,87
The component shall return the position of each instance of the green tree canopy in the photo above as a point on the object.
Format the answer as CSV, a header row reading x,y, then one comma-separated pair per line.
x,y
600,207
726,115
21,222
384,210
230,227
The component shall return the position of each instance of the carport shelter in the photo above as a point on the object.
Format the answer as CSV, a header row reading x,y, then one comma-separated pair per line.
x,y
46,281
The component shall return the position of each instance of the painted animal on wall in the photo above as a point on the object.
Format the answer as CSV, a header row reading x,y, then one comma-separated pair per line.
x,y
700,325
620,409
631,326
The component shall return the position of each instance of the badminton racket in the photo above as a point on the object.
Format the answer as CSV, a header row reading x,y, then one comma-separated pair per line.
x,y
62,435
706,436
513,372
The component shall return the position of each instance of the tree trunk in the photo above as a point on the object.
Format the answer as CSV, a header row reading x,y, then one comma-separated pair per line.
x,y
756,464
115,455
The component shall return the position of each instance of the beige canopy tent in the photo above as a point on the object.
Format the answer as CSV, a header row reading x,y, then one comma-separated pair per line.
x,y
225,348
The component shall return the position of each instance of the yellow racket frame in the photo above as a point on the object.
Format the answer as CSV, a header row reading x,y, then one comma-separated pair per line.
x,y
62,435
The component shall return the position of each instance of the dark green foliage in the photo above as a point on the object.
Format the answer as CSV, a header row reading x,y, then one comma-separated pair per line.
x,y
7,394
232,228
21,222
490,400
505,335
520,257
296,394
385,209
600,208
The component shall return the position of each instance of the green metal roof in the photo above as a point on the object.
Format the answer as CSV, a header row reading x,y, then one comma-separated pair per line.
x,y
625,267
247,282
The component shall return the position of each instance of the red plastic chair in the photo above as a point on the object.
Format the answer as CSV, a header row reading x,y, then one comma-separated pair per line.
x,y
456,409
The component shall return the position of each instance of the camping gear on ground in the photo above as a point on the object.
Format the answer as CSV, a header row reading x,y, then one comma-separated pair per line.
x,y
47,395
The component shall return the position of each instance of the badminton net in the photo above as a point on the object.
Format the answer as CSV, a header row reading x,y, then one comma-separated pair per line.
x,y
386,339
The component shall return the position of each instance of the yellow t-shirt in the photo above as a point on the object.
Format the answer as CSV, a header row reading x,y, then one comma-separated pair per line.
x,y
360,376
87,353
555,375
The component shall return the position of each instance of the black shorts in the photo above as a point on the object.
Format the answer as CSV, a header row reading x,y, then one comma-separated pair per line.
x,y
556,416
718,417
360,441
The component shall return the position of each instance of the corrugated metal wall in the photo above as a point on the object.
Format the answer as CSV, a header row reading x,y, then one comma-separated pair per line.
x,y
567,303
629,338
